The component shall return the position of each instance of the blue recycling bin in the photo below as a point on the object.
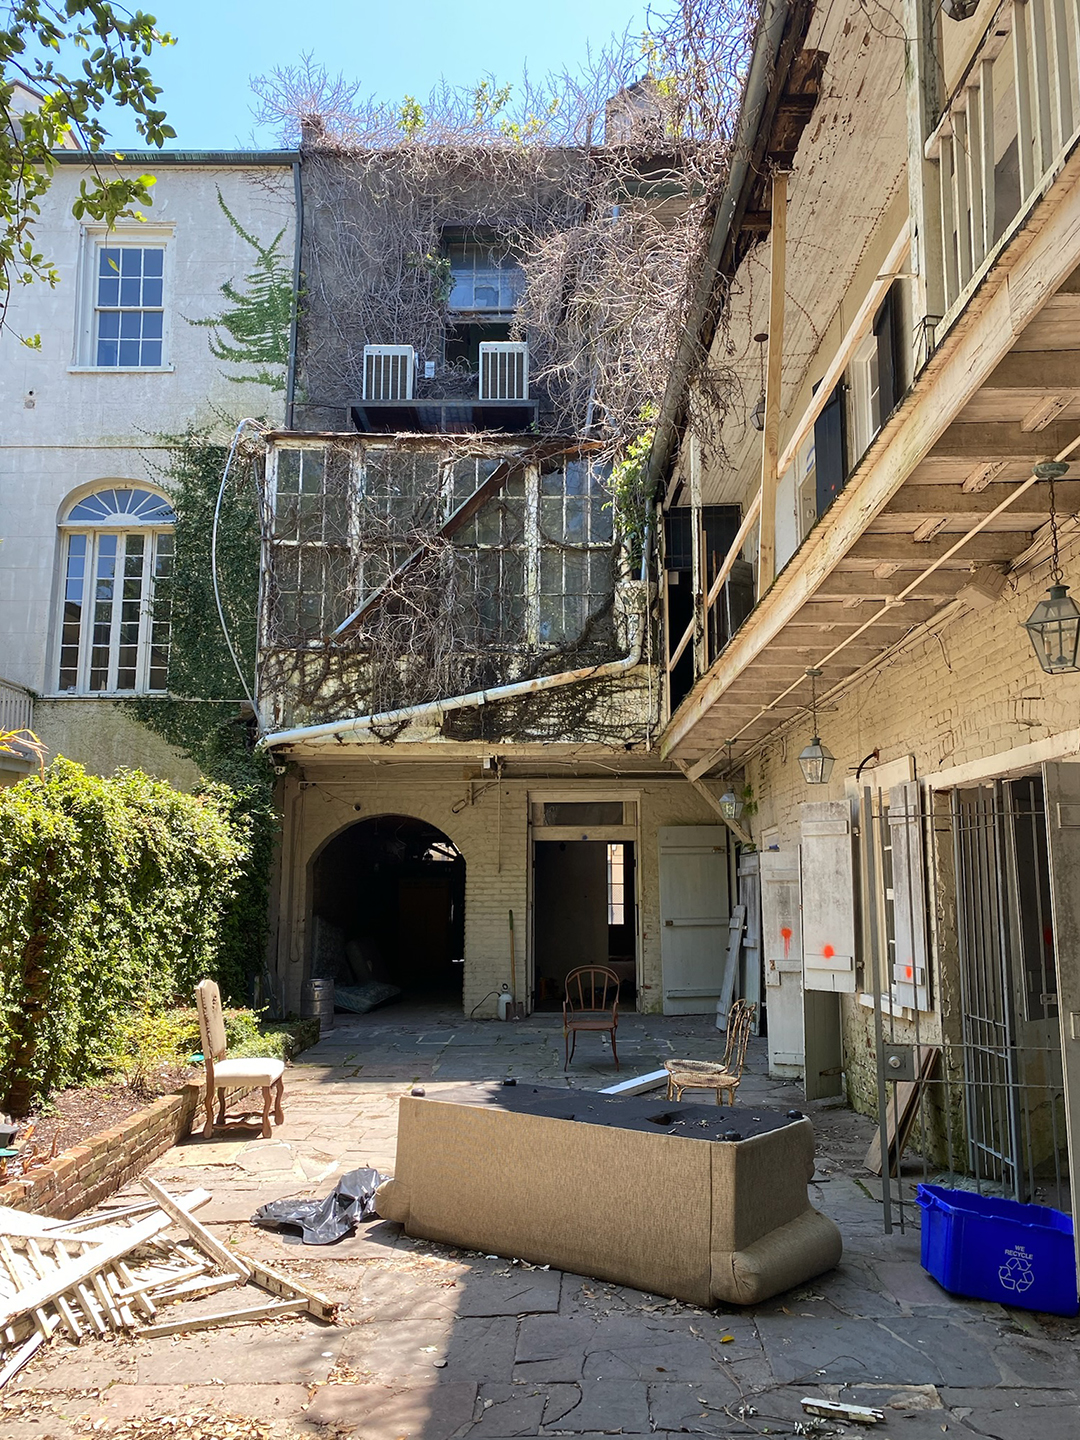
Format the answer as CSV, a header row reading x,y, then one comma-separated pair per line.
x,y
993,1249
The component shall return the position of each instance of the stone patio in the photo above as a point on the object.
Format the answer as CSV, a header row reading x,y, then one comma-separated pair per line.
x,y
433,1343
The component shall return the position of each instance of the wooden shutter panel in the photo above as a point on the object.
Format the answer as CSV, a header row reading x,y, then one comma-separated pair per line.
x,y
830,450
828,897
781,913
887,329
911,974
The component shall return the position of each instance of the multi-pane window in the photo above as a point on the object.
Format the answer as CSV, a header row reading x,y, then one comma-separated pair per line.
x,y
115,626
484,276
527,563
309,580
616,883
129,306
576,579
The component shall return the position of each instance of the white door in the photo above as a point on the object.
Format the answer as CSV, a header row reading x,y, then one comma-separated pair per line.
x,y
781,934
694,912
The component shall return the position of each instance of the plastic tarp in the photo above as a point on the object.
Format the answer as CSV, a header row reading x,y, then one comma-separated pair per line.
x,y
322,1222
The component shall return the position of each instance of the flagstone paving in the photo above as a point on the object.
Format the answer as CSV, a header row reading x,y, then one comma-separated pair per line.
x,y
438,1344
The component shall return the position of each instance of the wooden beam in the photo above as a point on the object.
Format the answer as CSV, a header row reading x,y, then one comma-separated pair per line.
x,y
901,550
711,800
868,586
916,503
1036,370
1002,440
770,448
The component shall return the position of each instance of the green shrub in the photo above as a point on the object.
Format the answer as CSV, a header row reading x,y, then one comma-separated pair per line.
x,y
145,1042
111,899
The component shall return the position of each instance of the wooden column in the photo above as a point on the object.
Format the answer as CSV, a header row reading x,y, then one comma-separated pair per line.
x,y
770,450
922,26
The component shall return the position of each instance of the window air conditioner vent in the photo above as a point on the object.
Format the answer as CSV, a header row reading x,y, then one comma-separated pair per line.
x,y
388,372
504,370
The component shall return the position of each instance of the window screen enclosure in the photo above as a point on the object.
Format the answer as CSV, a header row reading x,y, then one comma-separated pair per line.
x,y
520,553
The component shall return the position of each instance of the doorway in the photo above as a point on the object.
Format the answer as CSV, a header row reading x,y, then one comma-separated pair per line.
x,y
585,914
388,904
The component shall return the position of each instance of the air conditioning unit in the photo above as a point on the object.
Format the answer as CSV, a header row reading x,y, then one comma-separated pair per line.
x,y
388,372
504,370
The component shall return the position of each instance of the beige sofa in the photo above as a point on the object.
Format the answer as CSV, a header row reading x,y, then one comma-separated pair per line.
x,y
698,1219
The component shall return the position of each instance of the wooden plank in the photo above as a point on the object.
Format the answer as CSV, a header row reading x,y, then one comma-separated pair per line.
x,y
67,1314
80,1268
196,1287
279,1284
223,1317
770,449
1001,440
901,1113
736,925
201,1236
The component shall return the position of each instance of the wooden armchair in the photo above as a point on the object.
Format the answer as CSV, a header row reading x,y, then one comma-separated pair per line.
x,y
723,1077
223,1074
591,1003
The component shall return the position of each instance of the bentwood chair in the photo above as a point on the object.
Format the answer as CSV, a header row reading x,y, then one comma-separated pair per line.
x,y
591,1003
723,1077
246,1072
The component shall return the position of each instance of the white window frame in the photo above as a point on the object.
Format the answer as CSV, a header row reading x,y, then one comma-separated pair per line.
x,y
94,239
92,533
864,382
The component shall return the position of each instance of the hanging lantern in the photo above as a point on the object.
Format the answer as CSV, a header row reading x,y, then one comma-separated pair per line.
x,y
731,807
1054,624
757,415
1054,627
815,762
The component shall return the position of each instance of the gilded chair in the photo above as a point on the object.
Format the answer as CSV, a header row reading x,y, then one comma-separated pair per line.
x,y
249,1072
591,1003
722,1076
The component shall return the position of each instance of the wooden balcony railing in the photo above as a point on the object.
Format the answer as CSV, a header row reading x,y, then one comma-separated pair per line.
x,y
16,707
1003,133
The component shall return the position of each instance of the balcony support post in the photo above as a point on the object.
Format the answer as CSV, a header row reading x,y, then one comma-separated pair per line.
x,y
923,78
770,450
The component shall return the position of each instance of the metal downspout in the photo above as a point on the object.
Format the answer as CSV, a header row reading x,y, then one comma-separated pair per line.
x,y
298,231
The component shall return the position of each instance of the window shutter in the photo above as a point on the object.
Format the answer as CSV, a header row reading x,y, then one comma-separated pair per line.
x,y
828,890
830,447
911,985
781,913
887,331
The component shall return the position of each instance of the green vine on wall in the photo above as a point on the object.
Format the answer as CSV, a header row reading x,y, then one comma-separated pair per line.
x,y
631,503
254,331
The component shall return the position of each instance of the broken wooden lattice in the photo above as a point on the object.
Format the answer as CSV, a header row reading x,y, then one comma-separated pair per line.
x,y
110,1272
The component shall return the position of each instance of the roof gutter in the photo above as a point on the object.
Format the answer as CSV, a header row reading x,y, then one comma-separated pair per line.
x,y
337,730
219,159
770,33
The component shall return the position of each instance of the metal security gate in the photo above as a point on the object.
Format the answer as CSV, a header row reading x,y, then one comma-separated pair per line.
x,y
969,1057
1007,986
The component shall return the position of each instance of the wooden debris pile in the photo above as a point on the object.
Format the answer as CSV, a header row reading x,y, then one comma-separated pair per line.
x,y
111,1272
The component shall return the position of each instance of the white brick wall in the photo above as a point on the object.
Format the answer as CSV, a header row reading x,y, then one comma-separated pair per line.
x,y
969,690
496,852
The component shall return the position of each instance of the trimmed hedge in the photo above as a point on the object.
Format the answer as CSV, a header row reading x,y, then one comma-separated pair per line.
x,y
112,896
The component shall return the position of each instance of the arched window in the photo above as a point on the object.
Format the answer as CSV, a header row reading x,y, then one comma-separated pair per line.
x,y
114,632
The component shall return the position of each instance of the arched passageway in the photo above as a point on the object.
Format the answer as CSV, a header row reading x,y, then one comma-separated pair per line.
x,y
388,904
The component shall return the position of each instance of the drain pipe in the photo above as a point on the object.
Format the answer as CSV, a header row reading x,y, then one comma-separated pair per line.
x,y
436,709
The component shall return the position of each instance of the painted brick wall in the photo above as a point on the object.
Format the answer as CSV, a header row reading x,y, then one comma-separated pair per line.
x,y
493,836
966,691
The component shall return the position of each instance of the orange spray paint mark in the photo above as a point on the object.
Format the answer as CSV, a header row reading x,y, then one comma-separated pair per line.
x,y
907,972
785,935
828,952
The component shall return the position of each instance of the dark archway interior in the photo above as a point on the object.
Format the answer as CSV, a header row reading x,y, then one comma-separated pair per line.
x,y
389,904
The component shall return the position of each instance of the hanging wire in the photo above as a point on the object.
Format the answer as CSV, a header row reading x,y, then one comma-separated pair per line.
x,y
213,557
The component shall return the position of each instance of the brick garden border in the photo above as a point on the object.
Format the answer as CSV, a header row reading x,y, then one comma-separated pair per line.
x,y
89,1172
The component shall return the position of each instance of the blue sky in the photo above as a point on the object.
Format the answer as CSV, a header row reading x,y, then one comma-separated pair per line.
x,y
392,48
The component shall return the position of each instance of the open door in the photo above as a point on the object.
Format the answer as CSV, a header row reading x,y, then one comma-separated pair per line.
x,y
694,912
781,938
828,922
